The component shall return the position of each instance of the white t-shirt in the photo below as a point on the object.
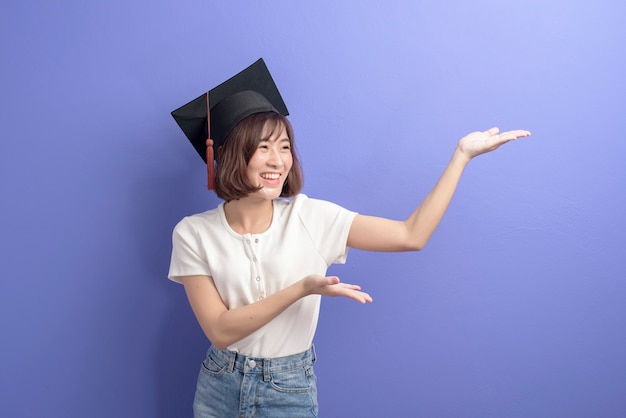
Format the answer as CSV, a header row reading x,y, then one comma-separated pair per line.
x,y
306,236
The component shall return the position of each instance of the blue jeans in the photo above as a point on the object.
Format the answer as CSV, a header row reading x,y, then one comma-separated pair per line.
x,y
232,385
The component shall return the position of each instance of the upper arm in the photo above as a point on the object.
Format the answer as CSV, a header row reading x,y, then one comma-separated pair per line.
x,y
372,233
205,301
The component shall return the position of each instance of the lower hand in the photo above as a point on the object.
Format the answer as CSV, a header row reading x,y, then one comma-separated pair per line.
x,y
332,286
478,143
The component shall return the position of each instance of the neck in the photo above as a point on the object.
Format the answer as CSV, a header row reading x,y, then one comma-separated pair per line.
x,y
249,217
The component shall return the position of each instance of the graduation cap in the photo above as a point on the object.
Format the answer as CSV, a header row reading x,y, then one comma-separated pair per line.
x,y
208,119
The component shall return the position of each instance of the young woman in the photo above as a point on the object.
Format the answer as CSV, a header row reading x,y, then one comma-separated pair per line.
x,y
254,268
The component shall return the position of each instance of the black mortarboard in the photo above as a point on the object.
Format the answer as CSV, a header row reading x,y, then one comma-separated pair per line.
x,y
251,91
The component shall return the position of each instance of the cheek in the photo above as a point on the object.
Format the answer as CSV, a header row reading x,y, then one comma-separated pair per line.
x,y
251,168
255,161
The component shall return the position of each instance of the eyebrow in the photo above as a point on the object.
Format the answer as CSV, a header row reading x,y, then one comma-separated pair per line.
x,y
277,140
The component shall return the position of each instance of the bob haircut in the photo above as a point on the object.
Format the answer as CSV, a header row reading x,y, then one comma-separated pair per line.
x,y
231,180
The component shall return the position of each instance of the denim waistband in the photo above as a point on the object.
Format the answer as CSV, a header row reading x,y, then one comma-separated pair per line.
x,y
263,365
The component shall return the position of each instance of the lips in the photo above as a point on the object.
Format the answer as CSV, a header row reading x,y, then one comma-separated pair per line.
x,y
270,176
271,179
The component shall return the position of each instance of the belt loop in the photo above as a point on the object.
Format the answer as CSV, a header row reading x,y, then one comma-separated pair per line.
x,y
266,370
231,361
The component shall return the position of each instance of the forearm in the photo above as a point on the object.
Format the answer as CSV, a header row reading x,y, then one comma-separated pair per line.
x,y
232,325
372,233
425,219
224,326
423,222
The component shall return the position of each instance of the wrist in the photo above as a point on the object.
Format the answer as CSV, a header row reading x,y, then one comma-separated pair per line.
x,y
303,287
460,156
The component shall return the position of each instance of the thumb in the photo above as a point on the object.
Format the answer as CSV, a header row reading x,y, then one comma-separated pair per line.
x,y
492,131
332,280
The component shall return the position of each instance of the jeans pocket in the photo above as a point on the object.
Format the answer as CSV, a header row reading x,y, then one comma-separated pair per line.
x,y
298,380
212,366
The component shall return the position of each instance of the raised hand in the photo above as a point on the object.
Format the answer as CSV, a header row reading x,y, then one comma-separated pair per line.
x,y
478,143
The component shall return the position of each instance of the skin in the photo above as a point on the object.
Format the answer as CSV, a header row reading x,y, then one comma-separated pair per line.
x,y
253,214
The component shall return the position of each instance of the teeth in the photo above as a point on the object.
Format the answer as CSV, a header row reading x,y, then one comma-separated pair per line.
x,y
270,176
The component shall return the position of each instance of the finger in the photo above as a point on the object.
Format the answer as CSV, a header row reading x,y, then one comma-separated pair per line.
x,y
350,286
510,135
361,297
492,131
332,280
365,297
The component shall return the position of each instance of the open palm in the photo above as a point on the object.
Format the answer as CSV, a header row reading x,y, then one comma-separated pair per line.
x,y
478,143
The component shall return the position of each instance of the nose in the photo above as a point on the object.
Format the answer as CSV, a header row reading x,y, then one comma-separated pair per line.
x,y
275,159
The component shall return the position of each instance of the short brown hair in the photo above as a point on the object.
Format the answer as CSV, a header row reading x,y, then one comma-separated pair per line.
x,y
231,180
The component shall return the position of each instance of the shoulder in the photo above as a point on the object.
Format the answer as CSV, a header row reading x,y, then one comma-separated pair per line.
x,y
298,203
302,201
311,209
197,221
319,205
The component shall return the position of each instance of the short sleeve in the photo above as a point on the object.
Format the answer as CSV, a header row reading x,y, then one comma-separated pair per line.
x,y
187,257
328,226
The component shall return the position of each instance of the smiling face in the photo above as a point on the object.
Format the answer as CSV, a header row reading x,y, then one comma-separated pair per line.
x,y
258,154
271,163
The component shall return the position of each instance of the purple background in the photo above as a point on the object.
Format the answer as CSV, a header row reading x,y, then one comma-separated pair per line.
x,y
516,308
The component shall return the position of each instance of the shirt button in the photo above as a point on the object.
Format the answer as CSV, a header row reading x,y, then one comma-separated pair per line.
x,y
254,259
260,297
247,241
256,240
258,279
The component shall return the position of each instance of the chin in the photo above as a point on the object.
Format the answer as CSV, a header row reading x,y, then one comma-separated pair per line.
x,y
270,193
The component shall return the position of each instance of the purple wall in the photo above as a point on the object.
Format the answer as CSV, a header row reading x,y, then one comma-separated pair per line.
x,y
516,308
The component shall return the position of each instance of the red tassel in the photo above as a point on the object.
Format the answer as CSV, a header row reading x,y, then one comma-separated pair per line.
x,y
210,161
210,164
